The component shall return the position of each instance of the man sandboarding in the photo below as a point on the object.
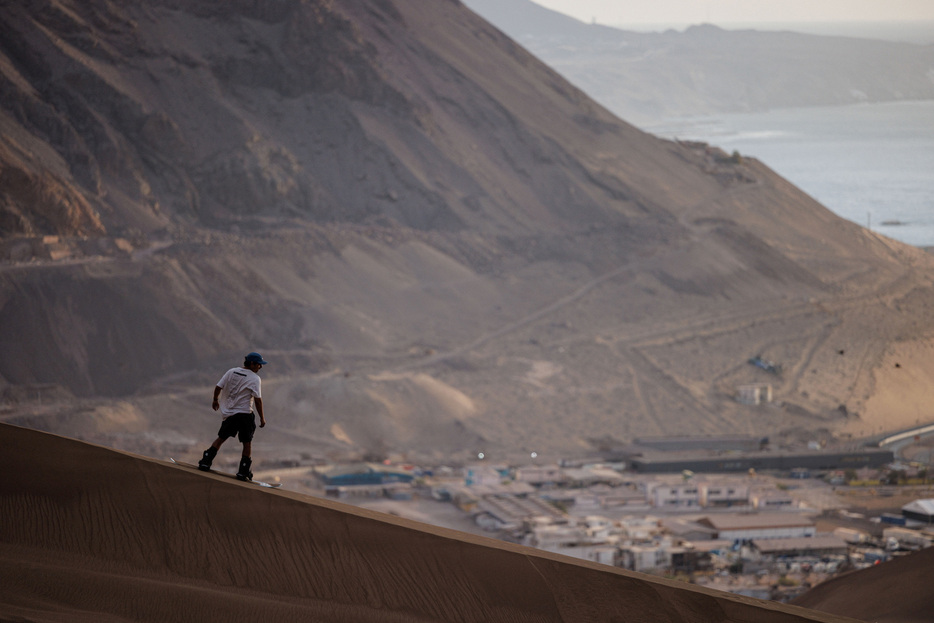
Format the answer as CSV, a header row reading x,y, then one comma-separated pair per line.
x,y
235,395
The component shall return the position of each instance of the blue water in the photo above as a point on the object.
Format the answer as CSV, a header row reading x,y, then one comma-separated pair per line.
x,y
872,164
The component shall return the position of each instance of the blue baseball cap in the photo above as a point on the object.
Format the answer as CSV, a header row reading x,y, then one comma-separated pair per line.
x,y
255,358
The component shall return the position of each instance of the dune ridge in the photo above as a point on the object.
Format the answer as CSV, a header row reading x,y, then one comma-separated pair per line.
x,y
89,533
903,581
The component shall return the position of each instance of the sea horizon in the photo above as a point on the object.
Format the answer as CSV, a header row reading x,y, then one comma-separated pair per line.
x,y
917,32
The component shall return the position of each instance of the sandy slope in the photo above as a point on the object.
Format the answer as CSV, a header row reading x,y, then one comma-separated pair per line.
x,y
91,534
857,594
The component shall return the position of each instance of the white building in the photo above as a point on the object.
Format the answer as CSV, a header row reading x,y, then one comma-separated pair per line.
x,y
650,556
771,500
483,475
754,394
592,538
684,495
723,494
689,492
748,526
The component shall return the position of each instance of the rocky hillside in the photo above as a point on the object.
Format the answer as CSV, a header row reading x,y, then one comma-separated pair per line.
x,y
439,244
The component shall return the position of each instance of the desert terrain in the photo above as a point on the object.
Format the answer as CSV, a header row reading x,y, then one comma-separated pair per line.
x,y
445,259
442,248
89,533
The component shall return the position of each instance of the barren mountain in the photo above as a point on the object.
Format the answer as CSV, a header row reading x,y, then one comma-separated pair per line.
x,y
440,245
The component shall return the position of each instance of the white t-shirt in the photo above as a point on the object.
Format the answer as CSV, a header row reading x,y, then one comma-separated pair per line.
x,y
238,387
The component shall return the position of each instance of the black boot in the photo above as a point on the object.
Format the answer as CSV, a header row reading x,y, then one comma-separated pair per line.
x,y
205,463
244,472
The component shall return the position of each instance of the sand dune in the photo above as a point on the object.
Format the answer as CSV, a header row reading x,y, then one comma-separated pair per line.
x,y
92,534
898,591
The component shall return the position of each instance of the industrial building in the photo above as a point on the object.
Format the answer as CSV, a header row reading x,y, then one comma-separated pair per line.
x,y
762,461
365,480
919,510
686,443
819,545
740,527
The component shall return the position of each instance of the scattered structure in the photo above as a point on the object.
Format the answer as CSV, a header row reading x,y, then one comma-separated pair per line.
x,y
707,443
510,513
779,461
754,394
766,365
907,539
741,527
920,510
820,546
365,480
743,533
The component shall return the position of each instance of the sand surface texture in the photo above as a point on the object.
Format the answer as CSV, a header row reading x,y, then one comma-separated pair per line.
x,y
898,591
92,534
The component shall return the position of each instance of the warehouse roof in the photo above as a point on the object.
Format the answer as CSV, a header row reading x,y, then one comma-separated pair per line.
x,y
820,542
920,507
755,521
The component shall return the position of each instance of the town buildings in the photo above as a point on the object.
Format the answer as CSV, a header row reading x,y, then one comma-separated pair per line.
x,y
745,532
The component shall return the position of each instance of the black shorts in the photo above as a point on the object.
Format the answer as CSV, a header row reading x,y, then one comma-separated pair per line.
x,y
241,424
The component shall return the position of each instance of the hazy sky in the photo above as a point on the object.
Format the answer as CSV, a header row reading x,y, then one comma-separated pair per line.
x,y
741,11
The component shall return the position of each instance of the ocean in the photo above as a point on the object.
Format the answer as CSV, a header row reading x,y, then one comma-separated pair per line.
x,y
872,164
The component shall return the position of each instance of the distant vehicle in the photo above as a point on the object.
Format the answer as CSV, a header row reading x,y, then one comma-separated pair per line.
x,y
892,518
766,365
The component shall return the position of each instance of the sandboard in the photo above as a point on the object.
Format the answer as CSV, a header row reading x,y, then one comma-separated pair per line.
x,y
213,471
